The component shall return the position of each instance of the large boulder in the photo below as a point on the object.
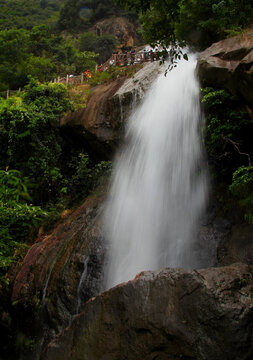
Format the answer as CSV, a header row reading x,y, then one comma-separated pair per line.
x,y
167,314
229,64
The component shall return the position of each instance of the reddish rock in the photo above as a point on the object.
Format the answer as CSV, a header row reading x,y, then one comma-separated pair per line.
x,y
52,269
228,64
99,123
167,314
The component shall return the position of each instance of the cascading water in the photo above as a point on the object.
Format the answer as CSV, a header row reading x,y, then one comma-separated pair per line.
x,y
159,184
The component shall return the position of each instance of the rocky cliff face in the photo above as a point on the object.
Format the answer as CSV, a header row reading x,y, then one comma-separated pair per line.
x,y
229,64
101,123
120,27
166,314
60,272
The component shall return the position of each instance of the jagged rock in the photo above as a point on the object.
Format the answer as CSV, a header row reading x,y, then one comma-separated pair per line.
x,y
166,314
229,64
101,123
120,27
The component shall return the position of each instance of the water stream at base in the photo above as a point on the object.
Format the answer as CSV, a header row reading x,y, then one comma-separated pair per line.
x,y
159,183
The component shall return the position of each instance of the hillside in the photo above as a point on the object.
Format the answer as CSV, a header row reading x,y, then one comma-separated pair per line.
x,y
68,15
28,13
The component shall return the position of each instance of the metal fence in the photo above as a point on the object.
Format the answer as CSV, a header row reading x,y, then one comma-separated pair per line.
x,y
71,79
126,59
123,59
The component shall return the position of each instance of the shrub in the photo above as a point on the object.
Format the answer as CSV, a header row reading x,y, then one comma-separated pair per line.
x,y
17,218
86,176
30,139
229,145
242,189
228,128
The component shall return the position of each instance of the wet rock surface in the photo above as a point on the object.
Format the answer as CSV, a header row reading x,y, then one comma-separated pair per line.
x,y
229,64
166,314
60,272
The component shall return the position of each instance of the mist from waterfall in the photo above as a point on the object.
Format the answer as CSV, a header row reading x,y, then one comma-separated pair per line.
x,y
159,183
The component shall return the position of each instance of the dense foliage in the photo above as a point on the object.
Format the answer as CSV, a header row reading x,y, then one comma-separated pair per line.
x,y
38,170
28,13
46,53
42,55
18,218
229,145
80,15
242,189
199,22
29,141
102,45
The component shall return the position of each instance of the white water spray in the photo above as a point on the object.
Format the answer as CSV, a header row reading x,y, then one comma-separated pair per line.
x,y
159,186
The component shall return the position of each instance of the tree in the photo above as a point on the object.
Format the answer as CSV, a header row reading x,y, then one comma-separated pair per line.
x,y
70,18
11,54
30,140
43,55
103,45
29,13
79,15
198,22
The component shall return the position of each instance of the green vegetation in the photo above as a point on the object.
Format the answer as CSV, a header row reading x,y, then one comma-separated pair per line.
x,y
242,189
102,45
42,55
198,22
229,146
80,15
29,45
39,175
18,219
30,141
29,13
113,73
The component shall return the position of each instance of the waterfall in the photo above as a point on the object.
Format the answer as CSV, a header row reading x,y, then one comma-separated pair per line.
x,y
159,183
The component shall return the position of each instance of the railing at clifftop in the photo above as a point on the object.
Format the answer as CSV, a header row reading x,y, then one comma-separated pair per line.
x,y
124,59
